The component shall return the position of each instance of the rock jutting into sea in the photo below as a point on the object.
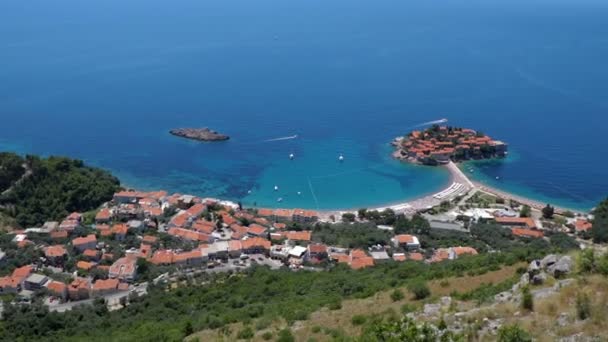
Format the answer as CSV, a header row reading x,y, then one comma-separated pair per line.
x,y
200,134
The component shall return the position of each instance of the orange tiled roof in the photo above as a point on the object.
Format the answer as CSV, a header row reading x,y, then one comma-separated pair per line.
x,y
527,232
465,250
59,234
57,287
404,238
84,240
265,212
415,256
84,265
507,221
256,242
582,225
299,236
103,214
55,251
256,229
103,285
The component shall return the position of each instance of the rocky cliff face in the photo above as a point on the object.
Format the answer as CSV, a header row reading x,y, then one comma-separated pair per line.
x,y
200,134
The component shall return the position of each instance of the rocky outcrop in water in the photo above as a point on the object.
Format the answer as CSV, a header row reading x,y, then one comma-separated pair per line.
x,y
200,134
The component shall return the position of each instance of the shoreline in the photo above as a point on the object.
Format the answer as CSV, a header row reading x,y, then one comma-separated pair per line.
x,y
418,203
456,176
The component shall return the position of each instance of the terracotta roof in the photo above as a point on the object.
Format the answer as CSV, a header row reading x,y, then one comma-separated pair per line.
x,y
256,229
464,250
299,236
227,218
162,257
123,267
405,238
415,256
265,212
55,251
399,257
180,219
103,215
359,263
305,213
59,234
150,239
79,283
84,265
84,240
511,221
280,225
91,253
196,209
23,271
120,229
582,225
235,245
189,234
317,248
203,226
104,285
357,253
56,287
285,213
527,232
256,242
440,254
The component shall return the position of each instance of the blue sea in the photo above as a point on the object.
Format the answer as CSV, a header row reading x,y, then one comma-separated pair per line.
x,y
104,81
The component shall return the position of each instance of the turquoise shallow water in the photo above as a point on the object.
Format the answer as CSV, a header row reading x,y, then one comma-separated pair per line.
x,y
105,81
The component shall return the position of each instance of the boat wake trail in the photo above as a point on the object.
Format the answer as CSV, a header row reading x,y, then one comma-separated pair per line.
x,y
283,138
434,122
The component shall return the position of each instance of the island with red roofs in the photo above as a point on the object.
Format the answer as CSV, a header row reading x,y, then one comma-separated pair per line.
x,y
438,145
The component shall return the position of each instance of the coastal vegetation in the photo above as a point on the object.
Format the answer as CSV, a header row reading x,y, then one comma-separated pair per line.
x,y
213,301
599,232
40,189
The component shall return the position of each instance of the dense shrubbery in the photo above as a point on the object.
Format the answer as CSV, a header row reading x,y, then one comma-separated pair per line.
x,y
11,169
599,232
355,235
260,293
56,187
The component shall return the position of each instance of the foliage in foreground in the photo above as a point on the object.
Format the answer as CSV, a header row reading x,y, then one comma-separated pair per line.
x,y
56,187
259,293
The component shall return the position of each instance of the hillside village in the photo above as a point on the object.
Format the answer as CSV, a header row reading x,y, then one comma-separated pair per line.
x,y
110,253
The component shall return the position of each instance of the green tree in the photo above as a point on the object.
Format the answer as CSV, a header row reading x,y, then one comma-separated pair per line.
x,y
599,230
527,300
525,211
548,211
285,335
583,306
513,333
348,217
405,330
419,289
245,334
397,295
362,213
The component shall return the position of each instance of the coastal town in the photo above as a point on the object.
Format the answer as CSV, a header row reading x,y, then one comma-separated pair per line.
x,y
439,145
107,253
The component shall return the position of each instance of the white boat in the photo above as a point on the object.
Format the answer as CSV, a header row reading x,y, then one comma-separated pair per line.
x,y
341,158
280,199
299,193
276,188
291,156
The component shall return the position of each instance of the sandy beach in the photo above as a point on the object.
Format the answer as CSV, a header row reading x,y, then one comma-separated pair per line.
x,y
456,177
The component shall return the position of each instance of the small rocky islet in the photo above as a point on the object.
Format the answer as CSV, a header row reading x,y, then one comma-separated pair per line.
x,y
200,134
